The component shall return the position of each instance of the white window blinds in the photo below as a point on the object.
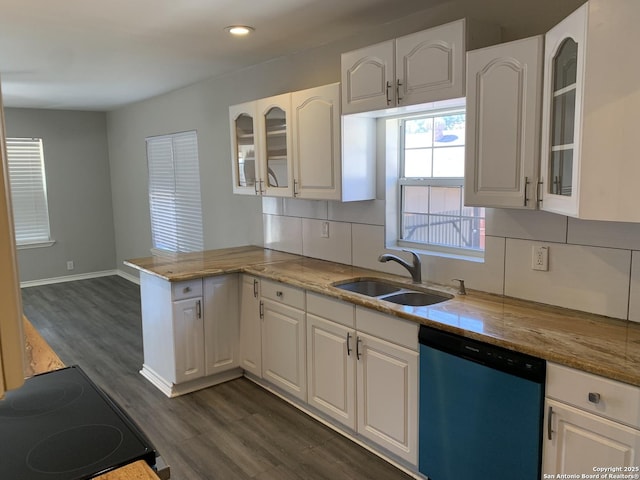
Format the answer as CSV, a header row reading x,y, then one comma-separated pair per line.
x,y
174,192
28,190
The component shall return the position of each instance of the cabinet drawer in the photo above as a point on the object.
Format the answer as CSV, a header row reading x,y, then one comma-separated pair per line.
x,y
390,328
332,309
617,401
282,293
187,289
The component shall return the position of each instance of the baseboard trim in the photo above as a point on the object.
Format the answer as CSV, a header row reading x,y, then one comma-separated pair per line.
x,y
67,278
128,276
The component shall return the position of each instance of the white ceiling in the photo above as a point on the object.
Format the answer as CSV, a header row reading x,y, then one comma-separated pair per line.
x,y
99,55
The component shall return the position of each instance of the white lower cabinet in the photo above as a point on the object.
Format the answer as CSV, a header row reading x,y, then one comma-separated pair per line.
x,y
590,422
221,324
250,326
189,349
190,332
388,396
283,338
331,358
359,378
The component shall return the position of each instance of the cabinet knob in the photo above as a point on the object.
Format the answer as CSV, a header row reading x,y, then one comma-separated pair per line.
x,y
186,289
594,398
279,294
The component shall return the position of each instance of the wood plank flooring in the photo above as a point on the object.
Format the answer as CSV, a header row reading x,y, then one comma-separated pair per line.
x,y
235,430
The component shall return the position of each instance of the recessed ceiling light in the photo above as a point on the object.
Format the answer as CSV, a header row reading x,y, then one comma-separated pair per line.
x,y
239,30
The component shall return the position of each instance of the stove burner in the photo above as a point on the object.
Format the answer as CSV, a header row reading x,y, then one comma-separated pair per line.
x,y
31,400
56,454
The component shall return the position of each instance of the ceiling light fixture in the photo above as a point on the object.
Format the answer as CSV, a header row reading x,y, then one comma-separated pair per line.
x,y
239,30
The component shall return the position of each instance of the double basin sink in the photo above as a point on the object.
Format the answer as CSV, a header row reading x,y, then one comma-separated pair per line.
x,y
390,292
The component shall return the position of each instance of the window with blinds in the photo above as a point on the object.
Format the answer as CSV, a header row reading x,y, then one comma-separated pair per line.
x,y
174,192
25,157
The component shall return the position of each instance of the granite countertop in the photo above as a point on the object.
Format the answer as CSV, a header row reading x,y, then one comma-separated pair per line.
x,y
589,342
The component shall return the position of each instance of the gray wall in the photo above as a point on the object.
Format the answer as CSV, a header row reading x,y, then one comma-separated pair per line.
x,y
78,191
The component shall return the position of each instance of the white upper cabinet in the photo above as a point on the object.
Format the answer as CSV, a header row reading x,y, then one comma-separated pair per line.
x,y
298,145
430,65
368,78
274,130
591,111
504,91
261,147
316,143
422,67
246,170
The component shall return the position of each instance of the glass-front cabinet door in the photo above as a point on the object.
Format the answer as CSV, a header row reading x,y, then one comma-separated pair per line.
x,y
562,113
246,169
275,128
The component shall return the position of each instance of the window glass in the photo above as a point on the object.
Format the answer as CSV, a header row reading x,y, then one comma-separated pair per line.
x,y
431,183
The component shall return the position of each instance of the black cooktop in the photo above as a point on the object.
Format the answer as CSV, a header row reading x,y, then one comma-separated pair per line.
x,y
61,426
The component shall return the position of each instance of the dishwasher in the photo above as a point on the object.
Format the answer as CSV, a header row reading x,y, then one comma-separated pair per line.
x,y
481,409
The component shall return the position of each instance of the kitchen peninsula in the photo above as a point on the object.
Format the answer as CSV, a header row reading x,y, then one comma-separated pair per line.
x,y
588,342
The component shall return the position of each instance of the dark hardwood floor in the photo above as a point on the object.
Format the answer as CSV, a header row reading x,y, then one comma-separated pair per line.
x,y
235,430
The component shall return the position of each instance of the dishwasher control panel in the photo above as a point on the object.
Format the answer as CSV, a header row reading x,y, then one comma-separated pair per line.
x,y
493,356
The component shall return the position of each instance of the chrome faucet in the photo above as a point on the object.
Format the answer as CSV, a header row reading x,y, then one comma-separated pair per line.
x,y
415,270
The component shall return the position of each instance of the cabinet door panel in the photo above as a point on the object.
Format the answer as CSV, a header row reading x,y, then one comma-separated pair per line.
x,y
283,348
367,78
430,64
387,396
274,133
504,88
221,323
561,118
316,142
250,326
188,341
331,369
246,172
581,441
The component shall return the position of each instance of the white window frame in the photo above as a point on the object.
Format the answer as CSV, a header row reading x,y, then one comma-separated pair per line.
x,y
28,184
432,248
175,203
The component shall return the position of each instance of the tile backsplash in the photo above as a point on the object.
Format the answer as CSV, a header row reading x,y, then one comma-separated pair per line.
x,y
593,266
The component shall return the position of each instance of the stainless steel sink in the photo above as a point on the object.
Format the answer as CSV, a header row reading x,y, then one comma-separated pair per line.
x,y
389,292
371,288
416,299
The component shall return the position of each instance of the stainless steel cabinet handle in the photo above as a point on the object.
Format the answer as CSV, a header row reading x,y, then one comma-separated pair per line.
x,y
295,188
199,309
255,288
594,397
348,344
398,97
261,310
540,191
388,89
255,186
549,415
526,191
358,342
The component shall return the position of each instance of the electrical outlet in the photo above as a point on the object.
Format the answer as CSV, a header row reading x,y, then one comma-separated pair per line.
x,y
70,265
540,258
325,230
